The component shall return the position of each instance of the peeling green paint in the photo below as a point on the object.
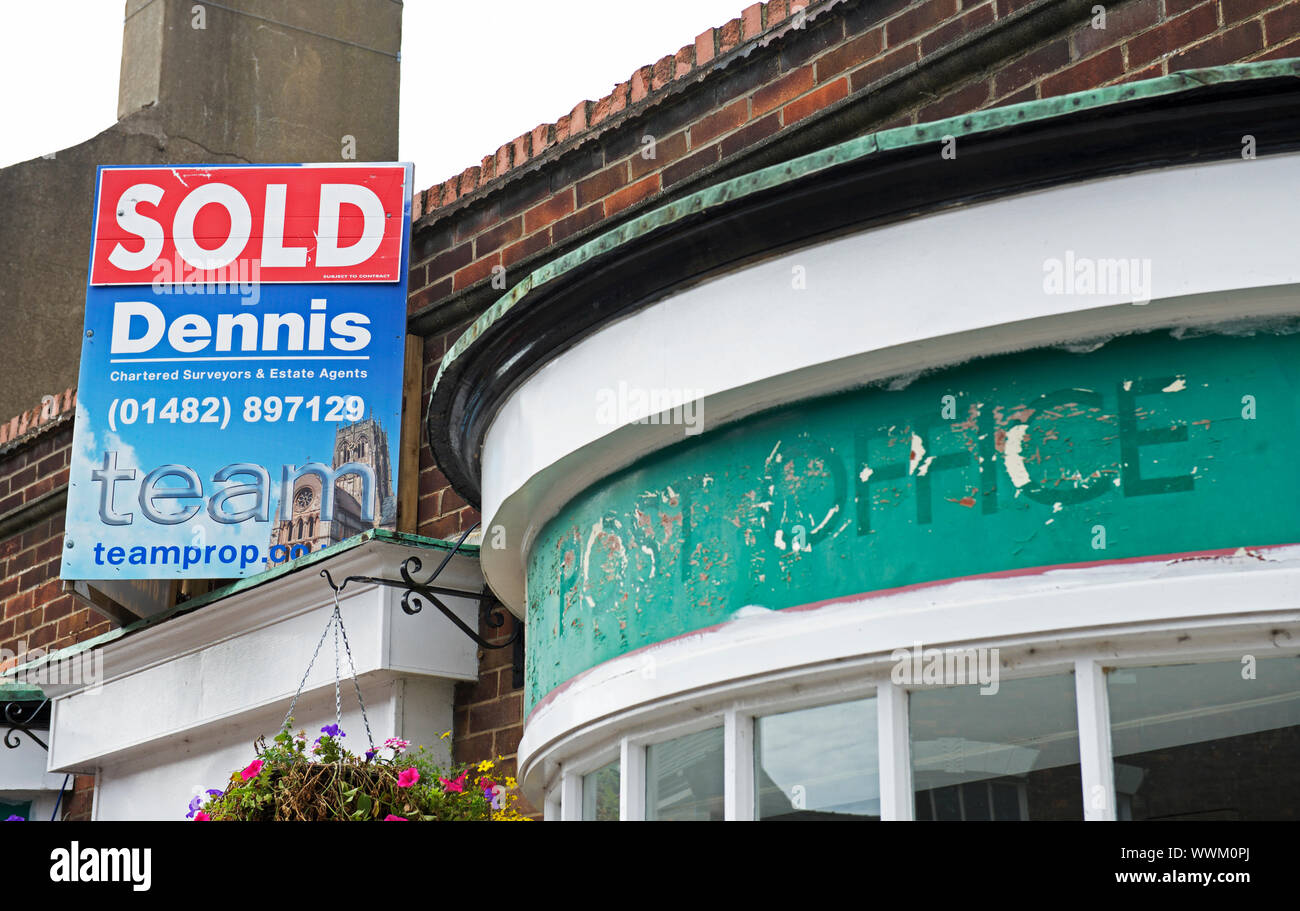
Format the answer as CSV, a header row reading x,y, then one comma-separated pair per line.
x,y
1147,441
854,150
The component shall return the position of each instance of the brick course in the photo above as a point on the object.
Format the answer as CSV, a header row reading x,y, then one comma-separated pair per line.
x,y
489,713
34,613
785,75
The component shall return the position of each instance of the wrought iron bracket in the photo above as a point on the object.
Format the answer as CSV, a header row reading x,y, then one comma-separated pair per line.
x,y
416,591
19,716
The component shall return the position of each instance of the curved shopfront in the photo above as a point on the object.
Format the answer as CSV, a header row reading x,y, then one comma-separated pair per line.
x,y
892,483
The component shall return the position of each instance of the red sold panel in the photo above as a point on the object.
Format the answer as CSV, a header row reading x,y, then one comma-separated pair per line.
x,y
291,223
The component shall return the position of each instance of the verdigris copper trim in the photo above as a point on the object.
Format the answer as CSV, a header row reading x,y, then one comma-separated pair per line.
x,y
854,150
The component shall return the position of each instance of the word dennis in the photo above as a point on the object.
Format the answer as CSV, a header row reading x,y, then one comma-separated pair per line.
x,y
139,326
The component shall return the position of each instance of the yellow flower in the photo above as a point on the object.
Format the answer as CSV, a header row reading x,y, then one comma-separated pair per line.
x,y
509,814
485,765
444,736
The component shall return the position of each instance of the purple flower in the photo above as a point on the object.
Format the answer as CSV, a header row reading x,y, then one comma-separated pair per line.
x,y
15,819
213,792
370,754
194,806
332,730
493,792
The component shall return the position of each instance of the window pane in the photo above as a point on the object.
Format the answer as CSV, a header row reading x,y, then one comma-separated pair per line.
x,y
1013,754
684,777
23,809
600,793
819,763
1207,741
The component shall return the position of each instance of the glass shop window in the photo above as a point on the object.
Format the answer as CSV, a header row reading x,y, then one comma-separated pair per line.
x,y
600,794
818,764
1009,755
20,809
684,777
1207,741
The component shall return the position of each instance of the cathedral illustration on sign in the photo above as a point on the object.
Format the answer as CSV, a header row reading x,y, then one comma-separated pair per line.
x,y
303,530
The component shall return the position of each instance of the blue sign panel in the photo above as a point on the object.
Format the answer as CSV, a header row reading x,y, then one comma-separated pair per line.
x,y
241,369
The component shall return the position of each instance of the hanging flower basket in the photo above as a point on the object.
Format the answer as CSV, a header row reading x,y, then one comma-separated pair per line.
x,y
325,782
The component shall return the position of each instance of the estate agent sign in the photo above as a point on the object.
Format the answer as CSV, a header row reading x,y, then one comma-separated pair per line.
x,y
241,367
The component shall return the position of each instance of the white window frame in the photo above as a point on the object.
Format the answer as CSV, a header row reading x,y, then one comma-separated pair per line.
x,y
735,708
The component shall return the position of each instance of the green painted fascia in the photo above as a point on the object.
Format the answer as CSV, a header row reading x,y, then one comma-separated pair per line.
x,y
1144,440
20,692
976,122
243,585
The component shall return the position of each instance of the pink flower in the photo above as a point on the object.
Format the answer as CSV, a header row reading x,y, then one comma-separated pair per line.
x,y
391,818
254,769
408,778
200,816
456,784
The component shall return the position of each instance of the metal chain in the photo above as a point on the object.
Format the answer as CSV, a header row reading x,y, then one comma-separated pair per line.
x,y
338,699
355,683
303,682
335,623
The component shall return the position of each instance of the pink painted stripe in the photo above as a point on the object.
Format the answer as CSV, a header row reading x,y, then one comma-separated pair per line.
x,y
915,586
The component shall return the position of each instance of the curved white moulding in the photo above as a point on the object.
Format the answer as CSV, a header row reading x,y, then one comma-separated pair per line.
x,y
1178,246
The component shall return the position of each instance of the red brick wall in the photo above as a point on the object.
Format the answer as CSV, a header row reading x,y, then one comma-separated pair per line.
x,y
1142,39
443,513
34,613
489,714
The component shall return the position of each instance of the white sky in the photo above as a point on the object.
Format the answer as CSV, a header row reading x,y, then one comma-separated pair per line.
x,y
474,75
